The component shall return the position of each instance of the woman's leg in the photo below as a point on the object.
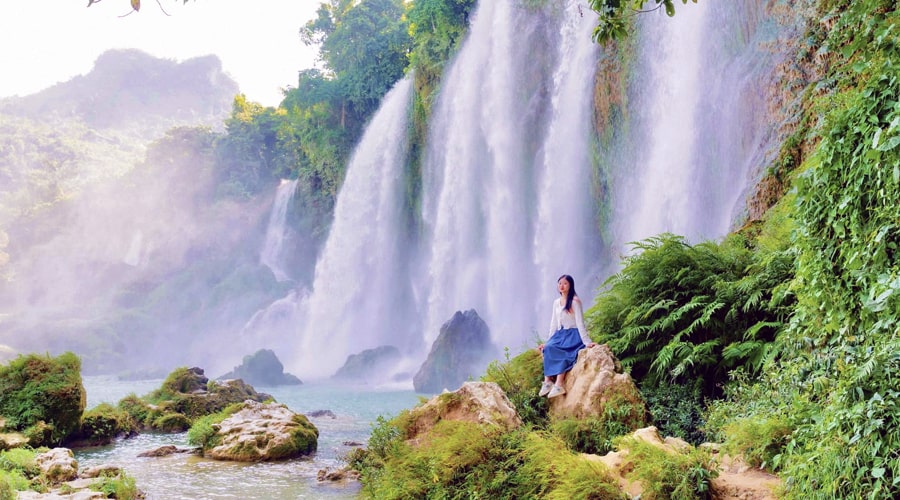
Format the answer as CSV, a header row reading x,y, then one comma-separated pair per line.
x,y
561,379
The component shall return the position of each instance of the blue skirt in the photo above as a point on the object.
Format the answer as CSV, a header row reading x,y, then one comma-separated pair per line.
x,y
561,351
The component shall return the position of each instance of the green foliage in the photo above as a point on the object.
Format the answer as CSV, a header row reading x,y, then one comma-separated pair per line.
x,y
677,311
676,409
203,434
140,412
19,460
520,378
613,22
465,460
171,422
11,483
670,474
101,424
37,389
759,441
123,487
840,362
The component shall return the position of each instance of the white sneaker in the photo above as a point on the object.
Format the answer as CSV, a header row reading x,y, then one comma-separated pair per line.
x,y
556,391
545,388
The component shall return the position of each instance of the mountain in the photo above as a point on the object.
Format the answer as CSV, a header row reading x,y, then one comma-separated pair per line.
x,y
130,89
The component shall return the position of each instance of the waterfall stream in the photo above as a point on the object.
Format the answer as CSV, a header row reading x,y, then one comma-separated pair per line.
x,y
511,178
271,253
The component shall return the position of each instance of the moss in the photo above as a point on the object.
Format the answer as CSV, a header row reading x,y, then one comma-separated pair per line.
x,y
172,422
37,388
103,423
203,433
141,413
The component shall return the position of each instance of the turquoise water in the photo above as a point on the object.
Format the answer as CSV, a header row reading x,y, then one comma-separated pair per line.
x,y
186,476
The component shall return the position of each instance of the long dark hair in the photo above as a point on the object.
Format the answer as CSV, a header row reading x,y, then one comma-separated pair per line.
x,y
571,295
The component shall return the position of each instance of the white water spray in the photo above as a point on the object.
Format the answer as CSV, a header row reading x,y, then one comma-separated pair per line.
x,y
359,295
271,254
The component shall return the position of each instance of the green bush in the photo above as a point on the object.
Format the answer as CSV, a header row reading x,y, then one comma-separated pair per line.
x,y
19,460
622,414
664,474
40,388
676,409
466,460
172,422
520,378
683,312
103,423
122,487
140,412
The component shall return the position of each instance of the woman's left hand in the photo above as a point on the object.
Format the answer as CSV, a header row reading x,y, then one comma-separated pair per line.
x,y
592,344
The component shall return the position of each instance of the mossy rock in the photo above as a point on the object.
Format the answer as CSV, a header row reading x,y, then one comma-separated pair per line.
x,y
36,389
102,424
172,422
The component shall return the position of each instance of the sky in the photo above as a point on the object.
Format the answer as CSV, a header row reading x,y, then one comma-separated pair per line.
x,y
44,42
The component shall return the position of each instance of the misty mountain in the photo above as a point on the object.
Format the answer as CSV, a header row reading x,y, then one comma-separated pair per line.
x,y
130,89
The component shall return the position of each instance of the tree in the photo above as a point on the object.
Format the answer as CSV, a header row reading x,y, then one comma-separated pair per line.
x,y
613,22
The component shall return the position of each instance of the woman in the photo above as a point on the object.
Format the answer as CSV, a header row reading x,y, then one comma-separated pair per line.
x,y
567,337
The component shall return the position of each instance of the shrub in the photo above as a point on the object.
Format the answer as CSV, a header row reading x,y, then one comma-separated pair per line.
x,y
122,487
172,422
19,460
466,460
664,474
759,440
101,424
140,412
676,409
621,415
40,388
520,378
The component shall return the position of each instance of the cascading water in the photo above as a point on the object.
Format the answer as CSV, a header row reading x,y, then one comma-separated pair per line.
x,y
507,204
515,175
697,121
273,246
359,298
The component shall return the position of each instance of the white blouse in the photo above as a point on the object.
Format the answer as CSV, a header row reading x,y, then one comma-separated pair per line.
x,y
568,319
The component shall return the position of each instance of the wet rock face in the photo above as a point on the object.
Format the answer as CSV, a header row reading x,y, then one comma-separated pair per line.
x,y
262,368
461,351
263,432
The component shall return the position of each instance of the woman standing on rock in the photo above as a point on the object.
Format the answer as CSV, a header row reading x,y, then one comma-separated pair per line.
x,y
567,337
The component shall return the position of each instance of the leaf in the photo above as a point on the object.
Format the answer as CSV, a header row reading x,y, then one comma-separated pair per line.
x,y
878,472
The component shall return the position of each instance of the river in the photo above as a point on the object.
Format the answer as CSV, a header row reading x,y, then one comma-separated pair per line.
x,y
187,476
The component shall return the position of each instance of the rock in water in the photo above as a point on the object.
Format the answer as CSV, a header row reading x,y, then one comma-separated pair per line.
x,y
462,350
262,369
369,364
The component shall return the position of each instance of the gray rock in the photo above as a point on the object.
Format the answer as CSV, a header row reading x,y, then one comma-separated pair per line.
x,y
262,368
371,364
461,351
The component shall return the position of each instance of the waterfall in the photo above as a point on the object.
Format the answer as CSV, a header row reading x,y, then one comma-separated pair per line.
x,y
359,296
697,123
271,253
515,176
506,199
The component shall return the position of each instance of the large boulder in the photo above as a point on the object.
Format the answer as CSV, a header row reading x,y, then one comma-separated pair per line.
x,y
461,351
57,465
596,380
262,432
476,402
262,368
371,364
43,397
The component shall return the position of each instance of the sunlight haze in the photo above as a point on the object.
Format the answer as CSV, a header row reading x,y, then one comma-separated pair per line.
x,y
52,41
